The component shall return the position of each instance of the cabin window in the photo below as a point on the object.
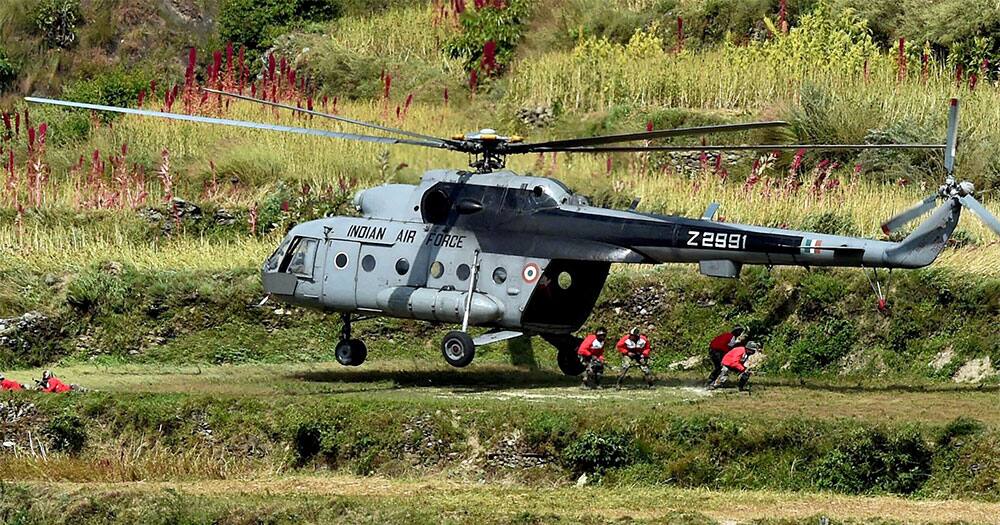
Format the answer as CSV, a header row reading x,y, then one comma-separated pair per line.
x,y
368,263
302,257
437,269
341,261
402,266
463,271
500,275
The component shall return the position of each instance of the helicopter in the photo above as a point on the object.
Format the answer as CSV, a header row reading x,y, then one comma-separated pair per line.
x,y
525,255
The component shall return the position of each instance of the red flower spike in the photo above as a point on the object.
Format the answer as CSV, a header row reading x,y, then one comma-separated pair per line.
x,y
43,128
386,89
649,126
142,97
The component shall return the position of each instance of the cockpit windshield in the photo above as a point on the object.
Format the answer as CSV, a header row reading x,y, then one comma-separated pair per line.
x,y
275,259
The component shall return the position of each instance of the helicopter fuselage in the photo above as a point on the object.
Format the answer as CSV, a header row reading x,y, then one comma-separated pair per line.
x,y
534,255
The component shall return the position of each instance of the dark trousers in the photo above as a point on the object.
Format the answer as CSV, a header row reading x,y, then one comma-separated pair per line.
x,y
716,357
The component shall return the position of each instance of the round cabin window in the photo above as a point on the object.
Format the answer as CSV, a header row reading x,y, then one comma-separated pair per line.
x,y
437,269
341,260
500,275
565,280
463,271
368,263
402,266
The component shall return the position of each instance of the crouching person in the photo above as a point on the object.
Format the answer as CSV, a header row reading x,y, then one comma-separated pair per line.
x,y
591,354
634,348
52,385
734,362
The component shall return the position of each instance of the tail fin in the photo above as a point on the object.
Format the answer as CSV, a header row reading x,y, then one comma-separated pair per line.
x,y
927,241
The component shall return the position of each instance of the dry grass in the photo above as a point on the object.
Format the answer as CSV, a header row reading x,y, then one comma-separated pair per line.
x,y
449,496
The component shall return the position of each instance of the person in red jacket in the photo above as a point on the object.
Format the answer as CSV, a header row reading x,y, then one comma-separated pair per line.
x,y
591,353
634,348
735,362
52,385
8,385
721,345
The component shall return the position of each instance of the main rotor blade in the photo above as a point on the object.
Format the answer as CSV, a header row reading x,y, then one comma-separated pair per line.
x,y
337,118
970,202
645,135
730,147
909,215
236,123
951,140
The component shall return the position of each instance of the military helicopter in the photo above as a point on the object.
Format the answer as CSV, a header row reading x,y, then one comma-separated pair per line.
x,y
525,255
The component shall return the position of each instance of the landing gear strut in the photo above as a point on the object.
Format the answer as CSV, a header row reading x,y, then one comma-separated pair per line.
x,y
876,284
350,352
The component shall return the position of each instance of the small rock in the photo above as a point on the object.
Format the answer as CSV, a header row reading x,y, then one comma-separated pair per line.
x,y
223,217
582,480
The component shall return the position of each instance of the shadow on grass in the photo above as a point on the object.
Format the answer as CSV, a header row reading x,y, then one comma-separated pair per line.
x,y
473,380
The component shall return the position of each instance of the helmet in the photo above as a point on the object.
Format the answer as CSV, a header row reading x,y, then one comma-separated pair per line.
x,y
737,331
635,331
753,346
46,375
601,331
2,376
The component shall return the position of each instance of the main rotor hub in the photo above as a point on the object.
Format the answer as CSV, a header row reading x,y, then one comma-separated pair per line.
x,y
487,149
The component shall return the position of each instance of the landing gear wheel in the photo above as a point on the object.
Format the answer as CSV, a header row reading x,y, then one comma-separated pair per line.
x,y
569,363
351,352
458,349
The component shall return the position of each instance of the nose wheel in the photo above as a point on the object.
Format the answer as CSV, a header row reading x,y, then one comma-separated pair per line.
x,y
458,349
350,352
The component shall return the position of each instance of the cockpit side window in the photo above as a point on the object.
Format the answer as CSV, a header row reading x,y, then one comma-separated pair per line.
x,y
275,259
301,257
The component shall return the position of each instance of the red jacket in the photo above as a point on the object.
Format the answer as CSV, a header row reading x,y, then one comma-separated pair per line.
x,y
591,347
56,386
626,346
7,384
721,342
735,359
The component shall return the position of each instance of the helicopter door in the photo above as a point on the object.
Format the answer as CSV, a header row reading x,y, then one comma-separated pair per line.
x,y
340,276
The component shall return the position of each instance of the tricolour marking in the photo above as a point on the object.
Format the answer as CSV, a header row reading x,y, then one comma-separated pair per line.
x,y
812,246
530,273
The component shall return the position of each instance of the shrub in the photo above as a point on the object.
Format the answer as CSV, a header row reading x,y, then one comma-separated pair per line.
x,y
255,23
118,87
8,71
503,26
869,460
596,452
57,19
824,345
67,433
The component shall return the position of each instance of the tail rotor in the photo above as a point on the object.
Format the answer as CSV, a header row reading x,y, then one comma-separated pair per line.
x,y
961,192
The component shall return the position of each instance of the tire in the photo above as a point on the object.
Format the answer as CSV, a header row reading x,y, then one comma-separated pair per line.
x,y
352,352
458,349
569,363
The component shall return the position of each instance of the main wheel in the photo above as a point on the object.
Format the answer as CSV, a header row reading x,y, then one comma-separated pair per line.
x,y
458,349
569,362
351,352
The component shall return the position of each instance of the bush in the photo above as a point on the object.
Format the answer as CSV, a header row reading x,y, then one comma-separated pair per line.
x,y
822,346
118,87
502,26
596,452
8,71
869,460
67,433
58,19
255,23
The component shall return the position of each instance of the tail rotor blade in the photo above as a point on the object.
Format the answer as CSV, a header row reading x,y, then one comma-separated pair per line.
x,y
951,142
970,202
909,215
